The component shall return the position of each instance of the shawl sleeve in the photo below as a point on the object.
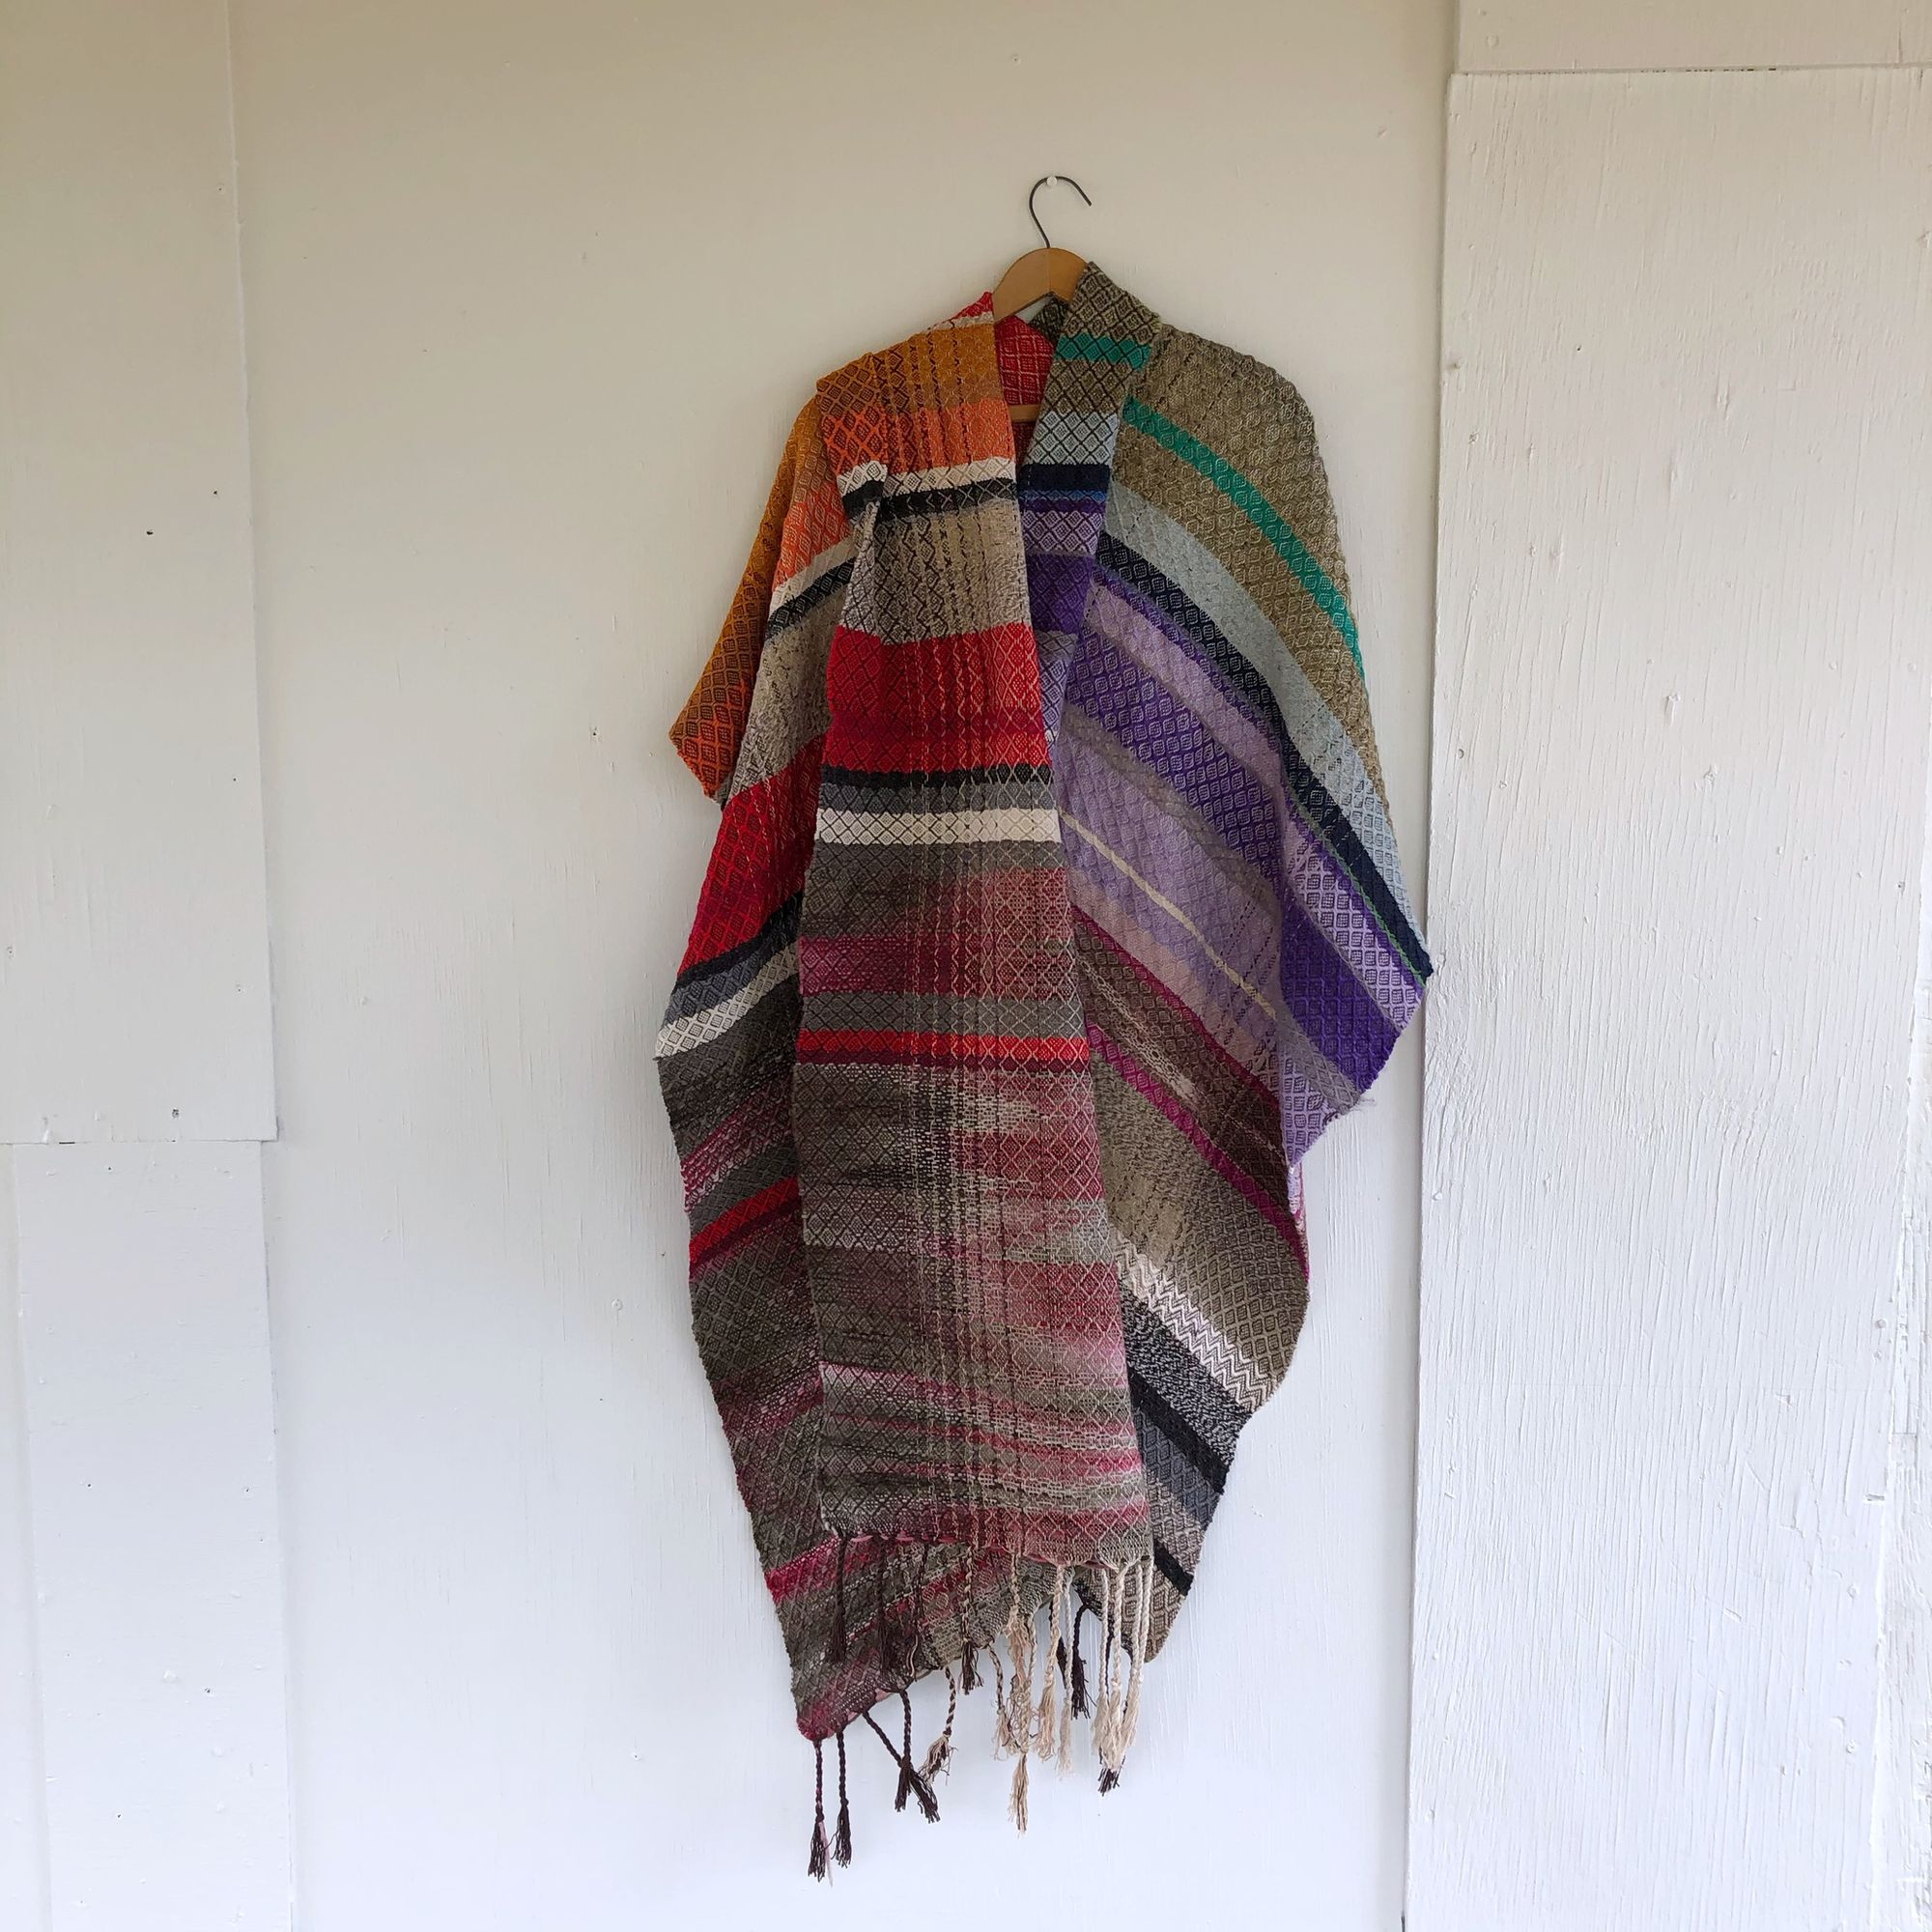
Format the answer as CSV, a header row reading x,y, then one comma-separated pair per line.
x,y
1229,492
752,732
1352,964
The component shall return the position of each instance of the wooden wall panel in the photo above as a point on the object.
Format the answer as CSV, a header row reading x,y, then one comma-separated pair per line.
x,y
23,1872
1685,595
1531,35
134,979
1902,1838
508,476
145,1341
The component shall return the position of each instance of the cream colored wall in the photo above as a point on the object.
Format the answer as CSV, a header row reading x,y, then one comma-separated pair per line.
x,y
533,294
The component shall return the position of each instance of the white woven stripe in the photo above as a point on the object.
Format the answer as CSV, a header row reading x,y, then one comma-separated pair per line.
x,y
871,470
695,1030
1024,824
949,477
1221,1355
801,580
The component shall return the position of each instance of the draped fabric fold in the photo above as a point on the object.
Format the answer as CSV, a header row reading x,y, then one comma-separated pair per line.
x,y
1054,911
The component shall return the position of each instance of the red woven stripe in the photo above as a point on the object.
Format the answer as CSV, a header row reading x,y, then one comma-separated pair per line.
x,y
937,1049
764,844
766,1205
937,703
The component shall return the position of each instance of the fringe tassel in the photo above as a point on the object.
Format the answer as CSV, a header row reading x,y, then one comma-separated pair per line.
x,y
842,1838
1078,1676
1016,1798
1068,1711
1129,1624
1050,1740
905,1758
1020,1654
1002,1732
1143,1630
940,1756
1110,1589
814,1865
910,1783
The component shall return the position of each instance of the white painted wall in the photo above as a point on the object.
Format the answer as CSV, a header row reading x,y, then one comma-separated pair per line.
x,y
143,1744
1681,707
135,995
157,1560
530,297
533,294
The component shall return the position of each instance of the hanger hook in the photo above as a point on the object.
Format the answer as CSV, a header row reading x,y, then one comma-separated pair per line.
x,y
1047,181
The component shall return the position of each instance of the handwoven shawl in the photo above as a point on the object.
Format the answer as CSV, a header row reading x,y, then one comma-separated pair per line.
x,y
1054,912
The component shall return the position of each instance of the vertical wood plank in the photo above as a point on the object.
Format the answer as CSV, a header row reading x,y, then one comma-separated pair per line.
x,y
23,1825
1527,36
506,487
1681,737
1902,1898
153,1486
134,982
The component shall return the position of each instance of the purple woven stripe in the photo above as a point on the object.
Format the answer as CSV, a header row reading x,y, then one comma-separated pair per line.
x,y
1113,690
1317,877
1056,586
1264,717
1328,1001
1115,903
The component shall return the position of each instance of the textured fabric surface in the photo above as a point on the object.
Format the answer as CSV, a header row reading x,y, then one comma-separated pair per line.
x,y
1054,912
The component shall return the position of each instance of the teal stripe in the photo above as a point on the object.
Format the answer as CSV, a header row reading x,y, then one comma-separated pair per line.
x,y
1258,511
1104,349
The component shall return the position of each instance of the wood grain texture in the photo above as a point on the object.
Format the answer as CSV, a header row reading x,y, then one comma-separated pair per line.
x,y
154,1527
1681,735
133,974
1502,36
1902,1839
23,1822
533,294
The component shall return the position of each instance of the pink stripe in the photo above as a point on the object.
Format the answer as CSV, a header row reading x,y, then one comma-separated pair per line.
x,y
1274,1213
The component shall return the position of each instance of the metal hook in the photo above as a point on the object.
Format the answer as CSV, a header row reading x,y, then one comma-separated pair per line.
x,y
1047,181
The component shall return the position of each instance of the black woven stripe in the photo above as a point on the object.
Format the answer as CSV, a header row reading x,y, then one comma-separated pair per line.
x,y
1252,689
774,936
868,492
1064,479
1172,1568
849,774
807,602
942,501
1179,1430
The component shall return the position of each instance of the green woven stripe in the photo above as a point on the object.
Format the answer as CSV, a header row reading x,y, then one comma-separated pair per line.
x,y
1103,348
1258,511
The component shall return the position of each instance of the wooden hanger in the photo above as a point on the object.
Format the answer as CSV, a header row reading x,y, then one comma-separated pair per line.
x,y
1045,270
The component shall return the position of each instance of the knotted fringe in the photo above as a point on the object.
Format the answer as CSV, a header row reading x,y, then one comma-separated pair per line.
x,y
842,1838
1046,1727
814,1865
940,1756
1126,1627
1024,1727
910,1783
1078,1676
1002,1735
